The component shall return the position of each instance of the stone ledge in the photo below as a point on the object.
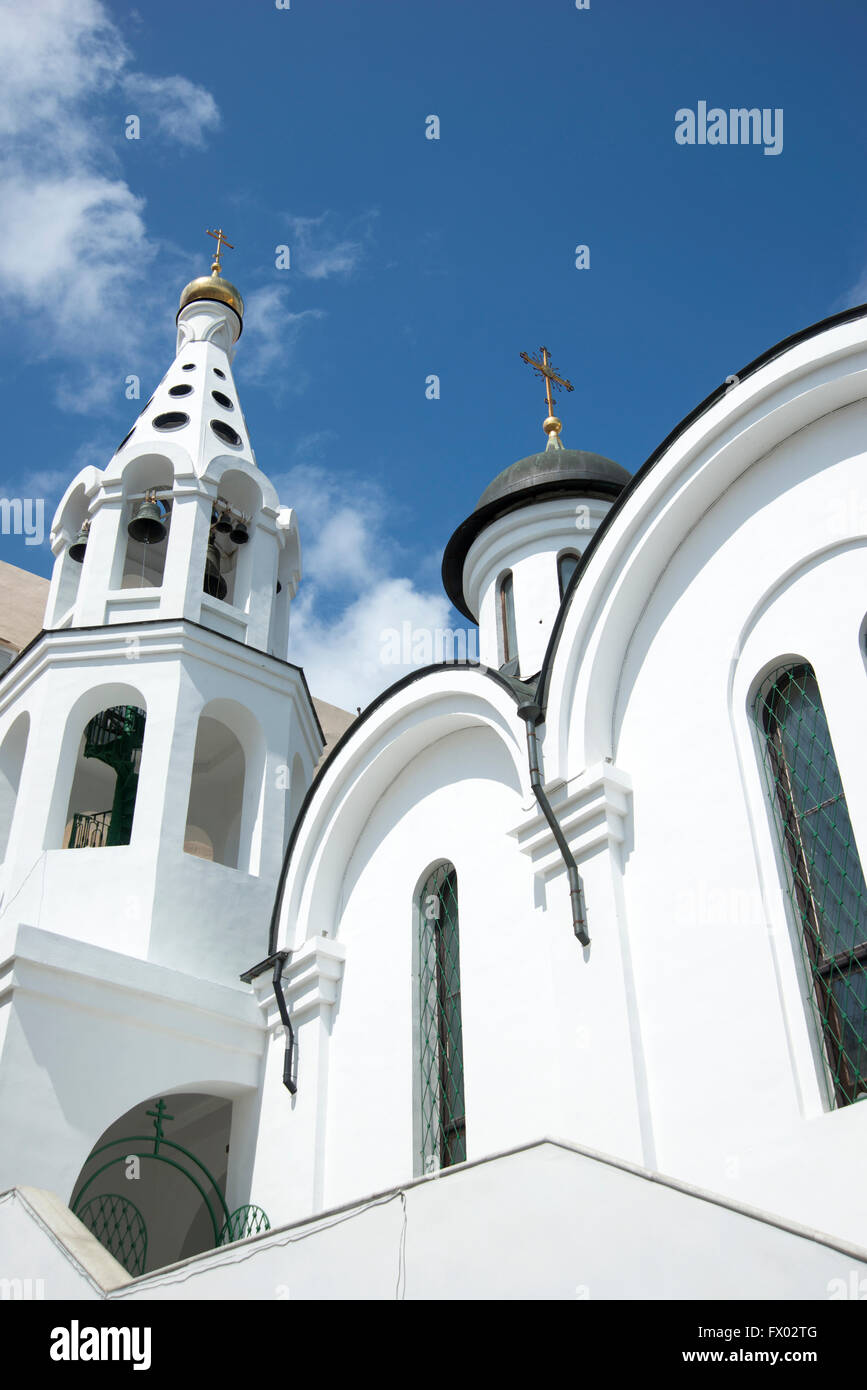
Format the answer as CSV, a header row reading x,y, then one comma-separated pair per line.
x,y
592,810
311,982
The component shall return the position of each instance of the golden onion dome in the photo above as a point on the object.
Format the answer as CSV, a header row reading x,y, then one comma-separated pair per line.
x,y
213,286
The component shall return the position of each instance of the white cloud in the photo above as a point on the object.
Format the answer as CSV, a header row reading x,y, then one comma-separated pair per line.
x,y
180,109
271,333
68,246
19,479
357,625
317,253
349,660
74,251
53,54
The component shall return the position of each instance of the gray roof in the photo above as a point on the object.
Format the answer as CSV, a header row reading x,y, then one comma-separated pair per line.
x,y
557,467
571,472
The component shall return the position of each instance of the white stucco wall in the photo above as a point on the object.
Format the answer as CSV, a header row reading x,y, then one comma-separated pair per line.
x,y
526,542
547,1222
774,572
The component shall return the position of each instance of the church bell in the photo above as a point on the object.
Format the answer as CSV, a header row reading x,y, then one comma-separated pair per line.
x,y
214,584
79,545
147,524
238,534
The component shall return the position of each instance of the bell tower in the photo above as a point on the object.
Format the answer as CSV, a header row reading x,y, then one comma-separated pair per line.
x,y
161,738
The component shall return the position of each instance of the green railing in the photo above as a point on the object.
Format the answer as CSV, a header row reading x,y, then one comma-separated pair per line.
x,y
89,829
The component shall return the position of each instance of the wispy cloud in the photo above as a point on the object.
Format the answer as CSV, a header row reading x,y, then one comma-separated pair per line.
x,y
857,294
271,332
75,245
318,252
352,593
180,109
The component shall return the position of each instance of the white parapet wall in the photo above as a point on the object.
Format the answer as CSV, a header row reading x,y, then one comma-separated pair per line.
x,y
545,1221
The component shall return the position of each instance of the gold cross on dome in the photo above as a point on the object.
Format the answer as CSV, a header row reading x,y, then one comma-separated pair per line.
x,y
221,242
545,369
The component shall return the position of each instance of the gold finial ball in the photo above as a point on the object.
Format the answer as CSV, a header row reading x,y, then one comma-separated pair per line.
x,y
552,425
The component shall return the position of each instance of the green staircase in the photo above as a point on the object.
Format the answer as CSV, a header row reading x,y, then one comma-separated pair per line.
x,y
115,737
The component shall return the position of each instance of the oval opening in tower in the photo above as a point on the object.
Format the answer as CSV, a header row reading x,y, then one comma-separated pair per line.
x,y
222,400
182,390
125,440
225,433
221,375
171,420
188,367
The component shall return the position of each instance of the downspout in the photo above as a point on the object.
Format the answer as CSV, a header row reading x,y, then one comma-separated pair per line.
x,y
532,716
278,960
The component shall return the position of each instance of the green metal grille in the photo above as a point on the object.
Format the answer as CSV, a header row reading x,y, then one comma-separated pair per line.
x,y
826,882
246,1221
119,1226
89,830
443,1119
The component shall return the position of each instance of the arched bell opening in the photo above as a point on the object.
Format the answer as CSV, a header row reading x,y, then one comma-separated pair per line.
x,y
214,812
102,798
74,521
228,562
12,753
153,1188
288,573
148,483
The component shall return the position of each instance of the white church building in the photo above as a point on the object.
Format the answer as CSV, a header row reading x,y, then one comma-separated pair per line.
x,y
550,979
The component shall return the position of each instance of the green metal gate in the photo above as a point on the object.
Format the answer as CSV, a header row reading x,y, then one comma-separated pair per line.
x,y
118,1224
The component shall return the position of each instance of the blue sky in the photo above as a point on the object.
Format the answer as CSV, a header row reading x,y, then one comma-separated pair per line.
x,y
410,256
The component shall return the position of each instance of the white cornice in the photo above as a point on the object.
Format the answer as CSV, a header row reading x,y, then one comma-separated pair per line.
x,y
75,974
311,982
592,810
159,640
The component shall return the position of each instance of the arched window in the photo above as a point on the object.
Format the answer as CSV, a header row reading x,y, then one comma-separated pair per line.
x,y
102,800
508,633
443,1121
216,802
826,882
567,564
11,762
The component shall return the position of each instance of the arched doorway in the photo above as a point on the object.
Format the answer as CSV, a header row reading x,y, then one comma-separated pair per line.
x,y
152,1189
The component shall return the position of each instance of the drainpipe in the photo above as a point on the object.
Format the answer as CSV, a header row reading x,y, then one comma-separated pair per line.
x,y
533,715
278,961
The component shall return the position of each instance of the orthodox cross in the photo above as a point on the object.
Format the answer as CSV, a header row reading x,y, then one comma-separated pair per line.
x,y
545,369
221,242
158,1116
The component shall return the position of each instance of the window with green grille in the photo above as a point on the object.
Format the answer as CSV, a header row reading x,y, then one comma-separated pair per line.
x,y
443,1119
825,878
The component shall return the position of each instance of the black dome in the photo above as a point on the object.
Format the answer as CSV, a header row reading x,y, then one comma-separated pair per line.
x,y
570,472
554,468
